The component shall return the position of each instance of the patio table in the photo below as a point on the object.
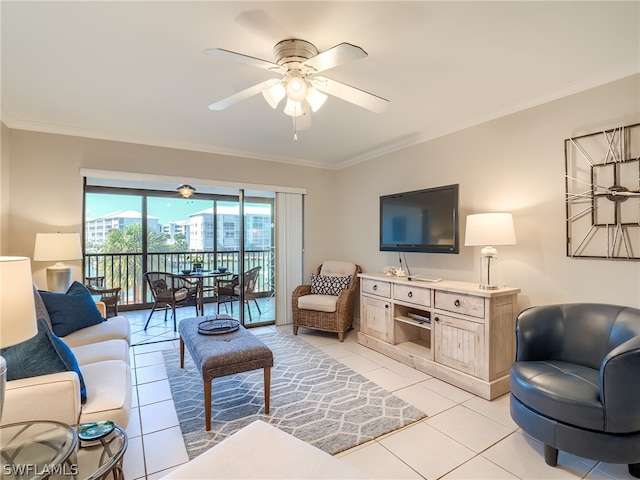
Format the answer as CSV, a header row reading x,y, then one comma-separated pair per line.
x,y
200,279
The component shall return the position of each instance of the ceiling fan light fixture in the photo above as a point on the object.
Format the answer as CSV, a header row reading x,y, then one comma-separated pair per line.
x,y
293,108
274,94
297,88
315,99
186,190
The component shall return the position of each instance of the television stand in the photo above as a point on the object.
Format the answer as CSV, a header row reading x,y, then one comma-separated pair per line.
x,y
451,330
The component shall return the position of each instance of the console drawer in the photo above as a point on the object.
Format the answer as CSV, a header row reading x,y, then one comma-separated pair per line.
x,y
376,287
460,303
412,294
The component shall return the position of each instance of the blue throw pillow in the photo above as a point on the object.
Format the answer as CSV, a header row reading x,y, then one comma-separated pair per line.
x,y
71,311
41,355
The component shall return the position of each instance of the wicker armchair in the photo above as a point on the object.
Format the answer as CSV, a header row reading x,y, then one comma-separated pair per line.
x,y
171,291
327,312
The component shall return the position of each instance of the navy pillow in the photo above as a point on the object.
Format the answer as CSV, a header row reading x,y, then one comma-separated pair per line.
x,y
41,355
71,311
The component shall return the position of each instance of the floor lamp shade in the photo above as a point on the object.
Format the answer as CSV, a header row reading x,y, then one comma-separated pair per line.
x,y
17,308
489,229
58,247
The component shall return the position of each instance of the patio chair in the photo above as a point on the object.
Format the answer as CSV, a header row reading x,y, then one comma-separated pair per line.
x,y
110,296
229,290
171,291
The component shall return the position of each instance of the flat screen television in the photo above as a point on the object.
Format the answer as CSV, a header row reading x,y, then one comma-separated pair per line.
x,y
420,221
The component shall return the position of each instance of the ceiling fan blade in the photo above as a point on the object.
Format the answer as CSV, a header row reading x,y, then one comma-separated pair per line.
x,y
351,94
342,53
239,57
242,95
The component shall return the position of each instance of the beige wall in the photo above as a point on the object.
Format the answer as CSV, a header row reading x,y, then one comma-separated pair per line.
x,y
513,164
46,186
4,189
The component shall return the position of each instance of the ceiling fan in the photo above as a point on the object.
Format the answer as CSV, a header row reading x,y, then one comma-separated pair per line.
x,y
298,62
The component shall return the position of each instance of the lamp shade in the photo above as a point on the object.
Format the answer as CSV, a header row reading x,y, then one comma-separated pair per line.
x,y
274,94
57,247
17,307
490,229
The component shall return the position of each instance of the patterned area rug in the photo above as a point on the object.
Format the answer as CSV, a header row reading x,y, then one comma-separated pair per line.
x,y
313,397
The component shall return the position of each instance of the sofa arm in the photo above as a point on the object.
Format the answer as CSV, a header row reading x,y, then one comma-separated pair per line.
x,y
54,397
620,389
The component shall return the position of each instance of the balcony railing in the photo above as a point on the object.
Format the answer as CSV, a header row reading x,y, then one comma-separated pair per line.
x,y
125,270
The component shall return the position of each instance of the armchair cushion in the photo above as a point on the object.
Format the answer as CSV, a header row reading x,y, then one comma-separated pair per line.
x,y
561,390
319,303
72,310
329,285
337,267
42,355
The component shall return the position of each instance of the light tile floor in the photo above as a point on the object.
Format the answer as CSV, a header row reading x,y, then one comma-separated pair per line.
x,y
464,436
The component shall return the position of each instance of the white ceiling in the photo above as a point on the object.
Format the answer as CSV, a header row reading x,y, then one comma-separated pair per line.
x,y
134,71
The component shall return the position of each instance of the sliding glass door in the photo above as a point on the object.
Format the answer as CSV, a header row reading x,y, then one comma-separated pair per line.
x,y
129,232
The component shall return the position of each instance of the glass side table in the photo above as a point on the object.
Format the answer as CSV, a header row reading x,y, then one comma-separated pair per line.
x,y
35,450
98,459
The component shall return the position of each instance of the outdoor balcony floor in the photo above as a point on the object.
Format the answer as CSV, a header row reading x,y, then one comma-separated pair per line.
x,y
159,330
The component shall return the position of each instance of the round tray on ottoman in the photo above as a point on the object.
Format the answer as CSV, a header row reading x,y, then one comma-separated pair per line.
x,y
217,326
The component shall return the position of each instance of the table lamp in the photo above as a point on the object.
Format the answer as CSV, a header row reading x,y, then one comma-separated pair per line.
x,y
57,247
489,229
17,309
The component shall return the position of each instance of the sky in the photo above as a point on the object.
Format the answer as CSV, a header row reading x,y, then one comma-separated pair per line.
x,y
166,209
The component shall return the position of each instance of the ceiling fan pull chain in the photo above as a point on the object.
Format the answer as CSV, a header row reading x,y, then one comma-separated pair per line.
x,y
295,130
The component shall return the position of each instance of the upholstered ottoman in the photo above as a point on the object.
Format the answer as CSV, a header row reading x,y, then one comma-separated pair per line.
x,y
222,355
276,455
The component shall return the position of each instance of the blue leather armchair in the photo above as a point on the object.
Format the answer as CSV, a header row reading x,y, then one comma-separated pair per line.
x,y
575,384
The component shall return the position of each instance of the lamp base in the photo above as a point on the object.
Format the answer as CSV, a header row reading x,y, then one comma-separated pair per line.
x,y
3,382
58,278
489,287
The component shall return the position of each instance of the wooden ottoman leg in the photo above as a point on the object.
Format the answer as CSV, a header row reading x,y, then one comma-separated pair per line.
x,y
207,404
267,388
181,353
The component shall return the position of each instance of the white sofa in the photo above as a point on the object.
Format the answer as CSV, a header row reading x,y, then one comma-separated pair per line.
x,y
102,352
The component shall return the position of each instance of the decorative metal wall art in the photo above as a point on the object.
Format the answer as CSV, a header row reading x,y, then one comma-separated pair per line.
x,y
603,194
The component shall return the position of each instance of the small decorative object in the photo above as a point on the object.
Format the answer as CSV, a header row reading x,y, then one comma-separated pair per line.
x,y
216,326
222,269
197,262
95,430
389,271
392,271
603,193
